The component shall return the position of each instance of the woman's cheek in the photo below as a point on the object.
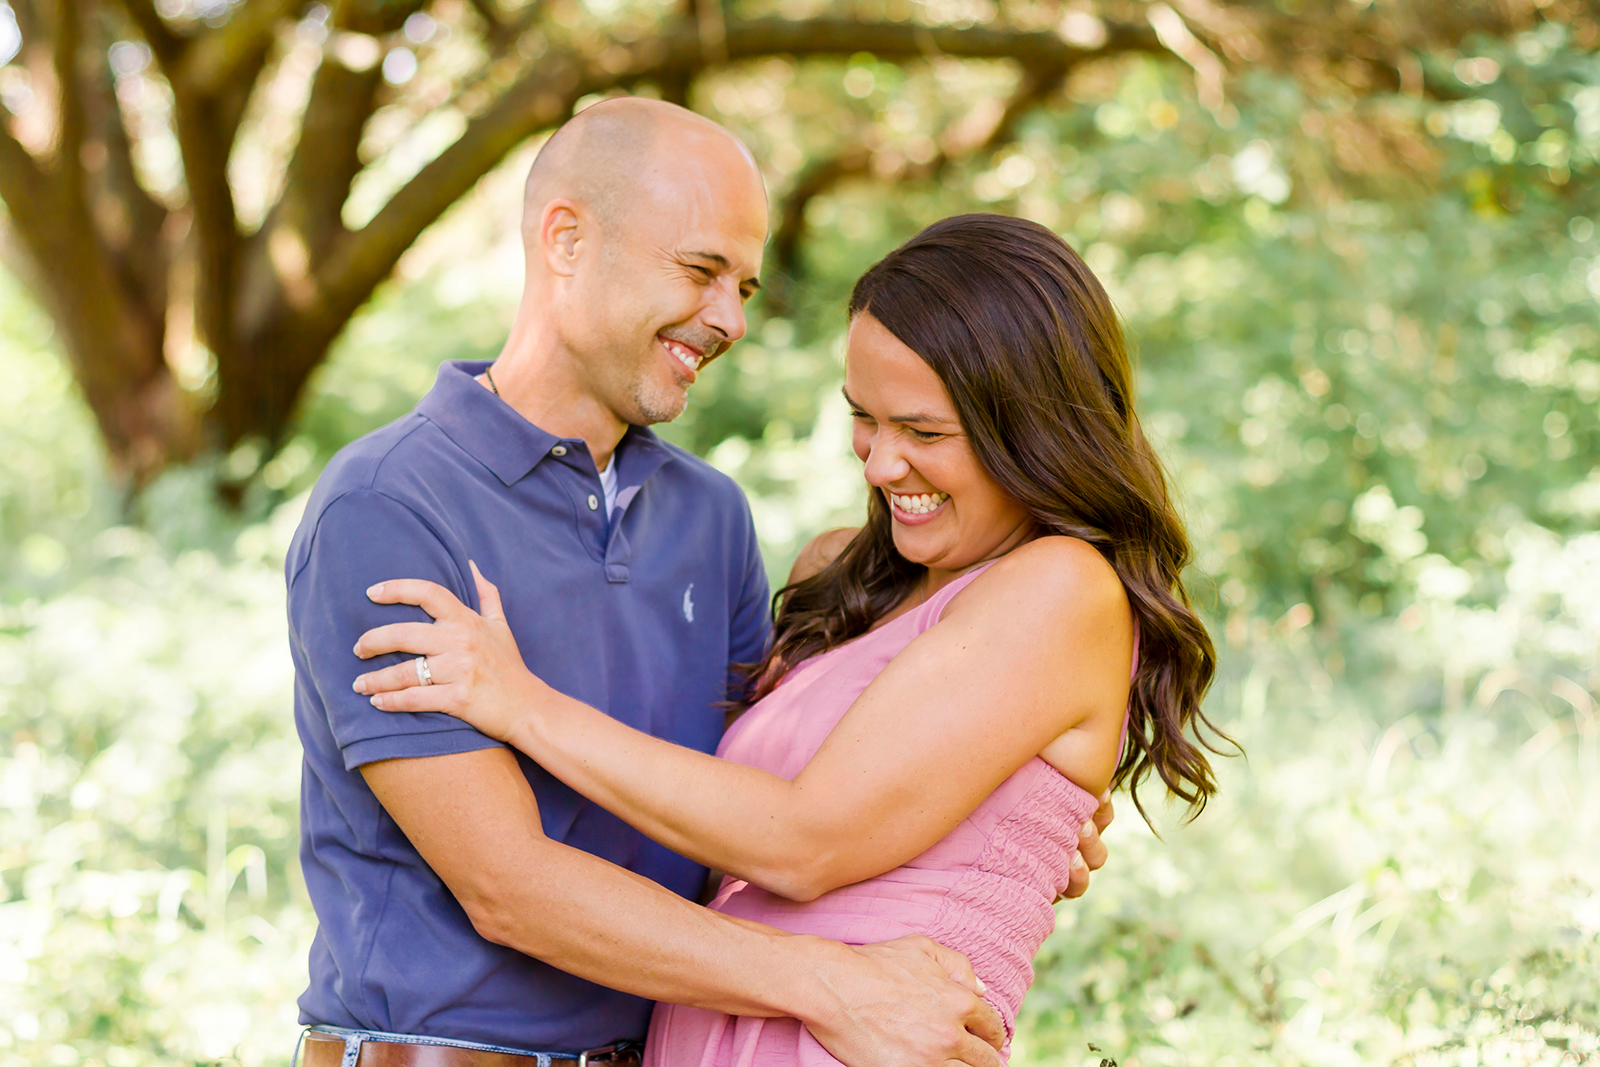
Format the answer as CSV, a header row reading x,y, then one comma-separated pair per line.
x,y
861,441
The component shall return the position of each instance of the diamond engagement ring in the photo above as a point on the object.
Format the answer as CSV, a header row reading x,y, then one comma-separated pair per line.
x,y
424,675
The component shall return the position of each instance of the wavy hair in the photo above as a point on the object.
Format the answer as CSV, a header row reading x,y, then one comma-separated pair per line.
x,y
1031,351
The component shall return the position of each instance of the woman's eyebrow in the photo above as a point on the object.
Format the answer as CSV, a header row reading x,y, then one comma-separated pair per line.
x,y
915,416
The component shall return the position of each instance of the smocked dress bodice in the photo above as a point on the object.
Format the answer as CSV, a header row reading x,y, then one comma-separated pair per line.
x,y
985,889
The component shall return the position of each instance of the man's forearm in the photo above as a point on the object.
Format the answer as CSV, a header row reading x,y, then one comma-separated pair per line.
x,y
475,821
597,921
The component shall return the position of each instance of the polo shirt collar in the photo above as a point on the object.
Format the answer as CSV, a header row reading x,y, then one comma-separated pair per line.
x,y
490,430
486,427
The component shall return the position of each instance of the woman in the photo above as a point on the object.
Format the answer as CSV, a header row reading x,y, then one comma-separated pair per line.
x,y
951,686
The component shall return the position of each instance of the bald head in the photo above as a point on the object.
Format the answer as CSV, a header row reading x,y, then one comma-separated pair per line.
x,y
644,226
618,156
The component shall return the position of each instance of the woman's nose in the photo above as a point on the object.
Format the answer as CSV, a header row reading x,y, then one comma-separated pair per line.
x,y
885,464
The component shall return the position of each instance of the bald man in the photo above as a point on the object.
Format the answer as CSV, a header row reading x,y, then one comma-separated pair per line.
x,y
469,905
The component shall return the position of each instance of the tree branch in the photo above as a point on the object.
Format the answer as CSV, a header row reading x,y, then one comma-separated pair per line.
x,y
23,183
858,159
502,31
308,215
165,45
128,219
360,260
70,123
225,54
544,96
215,227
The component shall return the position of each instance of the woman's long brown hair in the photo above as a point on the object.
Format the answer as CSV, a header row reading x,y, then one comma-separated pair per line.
x,y
1029,348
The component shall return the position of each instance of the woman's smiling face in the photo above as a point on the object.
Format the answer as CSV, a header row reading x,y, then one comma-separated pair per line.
x,y
947,512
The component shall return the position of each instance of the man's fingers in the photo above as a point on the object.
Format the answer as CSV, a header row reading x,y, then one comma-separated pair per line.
x,y
418,638
1090,847
488,595
1105,812
417,698
431,597
391,679
984,1023
976,1053
957,966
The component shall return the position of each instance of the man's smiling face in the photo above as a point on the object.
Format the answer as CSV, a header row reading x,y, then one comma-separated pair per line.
x,y
666,293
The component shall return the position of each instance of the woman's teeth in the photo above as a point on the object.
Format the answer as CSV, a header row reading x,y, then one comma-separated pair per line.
x,y
918,504
685,355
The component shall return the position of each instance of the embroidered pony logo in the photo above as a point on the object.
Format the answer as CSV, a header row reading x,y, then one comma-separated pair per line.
x,y
688,603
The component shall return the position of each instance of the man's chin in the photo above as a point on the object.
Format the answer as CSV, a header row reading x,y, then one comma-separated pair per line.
x,y
654,404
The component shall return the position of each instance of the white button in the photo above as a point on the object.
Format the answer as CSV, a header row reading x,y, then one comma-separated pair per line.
x,y
594,502
559,450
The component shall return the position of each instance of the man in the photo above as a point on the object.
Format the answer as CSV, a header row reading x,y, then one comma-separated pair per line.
x,y
469,904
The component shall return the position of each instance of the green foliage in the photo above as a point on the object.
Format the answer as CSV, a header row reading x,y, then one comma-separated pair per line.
x,y
1376,386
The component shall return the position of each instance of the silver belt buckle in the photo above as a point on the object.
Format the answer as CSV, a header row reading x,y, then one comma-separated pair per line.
x,y
603,1050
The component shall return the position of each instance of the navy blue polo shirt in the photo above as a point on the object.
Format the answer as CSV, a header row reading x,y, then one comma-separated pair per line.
x,y
640,614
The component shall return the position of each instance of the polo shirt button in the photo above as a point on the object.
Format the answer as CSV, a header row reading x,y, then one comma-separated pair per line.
x,y
559,450
594,502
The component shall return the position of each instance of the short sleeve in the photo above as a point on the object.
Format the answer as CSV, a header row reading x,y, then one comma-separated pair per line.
x,y
360,539
751,622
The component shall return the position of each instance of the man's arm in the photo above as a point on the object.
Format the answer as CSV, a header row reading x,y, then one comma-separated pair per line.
x,y
473,818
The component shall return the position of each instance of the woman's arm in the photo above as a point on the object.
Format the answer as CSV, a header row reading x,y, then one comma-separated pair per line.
x,y
1040,644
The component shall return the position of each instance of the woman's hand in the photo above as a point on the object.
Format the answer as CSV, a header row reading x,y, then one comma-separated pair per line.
x,y
477,672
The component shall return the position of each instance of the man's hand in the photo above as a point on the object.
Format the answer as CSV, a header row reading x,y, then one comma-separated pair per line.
x,y
1092,853
909,1002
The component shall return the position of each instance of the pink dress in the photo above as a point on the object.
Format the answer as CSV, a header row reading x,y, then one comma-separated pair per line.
x,y
985,889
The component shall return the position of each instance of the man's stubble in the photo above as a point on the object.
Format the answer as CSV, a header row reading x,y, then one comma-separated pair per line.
x,y
655,402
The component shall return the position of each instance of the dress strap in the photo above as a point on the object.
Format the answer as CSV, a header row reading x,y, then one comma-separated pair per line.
x,y
934,608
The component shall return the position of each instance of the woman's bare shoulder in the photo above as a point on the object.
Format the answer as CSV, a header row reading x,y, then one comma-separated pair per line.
x,y
1047,574
820,551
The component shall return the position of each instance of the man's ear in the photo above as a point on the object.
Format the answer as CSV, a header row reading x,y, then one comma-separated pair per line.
x,y
562,226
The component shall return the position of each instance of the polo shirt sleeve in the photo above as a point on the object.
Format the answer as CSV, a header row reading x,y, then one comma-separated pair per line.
x,y
362,538
750,625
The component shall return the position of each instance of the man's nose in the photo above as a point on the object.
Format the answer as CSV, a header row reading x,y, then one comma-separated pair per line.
x,y
724,311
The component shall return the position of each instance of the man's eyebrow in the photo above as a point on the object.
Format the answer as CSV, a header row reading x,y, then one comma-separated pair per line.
x,y
915,416
723,263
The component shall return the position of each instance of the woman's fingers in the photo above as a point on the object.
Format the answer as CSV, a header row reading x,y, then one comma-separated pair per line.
x,y
1105,812
488,595
420,638
1090,847
431,597
1092,853
417,698
392,678
1077,879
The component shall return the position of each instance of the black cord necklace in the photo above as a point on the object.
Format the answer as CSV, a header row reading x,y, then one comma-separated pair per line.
x,y
490,376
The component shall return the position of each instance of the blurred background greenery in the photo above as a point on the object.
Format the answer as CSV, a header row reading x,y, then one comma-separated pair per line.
x,y
1357,253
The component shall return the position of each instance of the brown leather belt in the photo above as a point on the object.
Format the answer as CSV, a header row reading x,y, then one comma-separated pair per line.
x,y
319,1049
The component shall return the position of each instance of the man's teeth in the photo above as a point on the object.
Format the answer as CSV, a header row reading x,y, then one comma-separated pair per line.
x,y
919,503
685,355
